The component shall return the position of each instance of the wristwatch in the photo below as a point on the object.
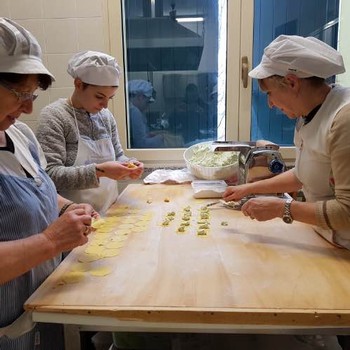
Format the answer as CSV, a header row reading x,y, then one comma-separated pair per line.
x,y
287,216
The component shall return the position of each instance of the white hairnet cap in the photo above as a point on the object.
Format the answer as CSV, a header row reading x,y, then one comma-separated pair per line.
x,y
303,57
94,68
139,86
20,52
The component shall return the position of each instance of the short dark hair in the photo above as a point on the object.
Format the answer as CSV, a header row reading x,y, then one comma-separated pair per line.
x,y
45,80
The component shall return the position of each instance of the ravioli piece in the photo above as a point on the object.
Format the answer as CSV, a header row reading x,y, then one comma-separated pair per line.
x,y
80,267
131,165
88,257
114,245
129,220
97,243
101,271
109,253
72,277
181,229
126,226
96,223
202,233
122,232
94,250
103,229
118,238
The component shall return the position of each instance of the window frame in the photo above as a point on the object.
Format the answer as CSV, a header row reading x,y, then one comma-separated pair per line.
x,y
247,28
119,104
240,22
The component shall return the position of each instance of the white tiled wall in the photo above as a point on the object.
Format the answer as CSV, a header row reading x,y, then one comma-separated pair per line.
x,y
63,28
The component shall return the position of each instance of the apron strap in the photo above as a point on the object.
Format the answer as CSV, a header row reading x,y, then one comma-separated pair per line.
x,y
20,326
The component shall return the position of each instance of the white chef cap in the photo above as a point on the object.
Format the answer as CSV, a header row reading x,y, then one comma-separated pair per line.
x,y
142,87
20,52
303,57
94,68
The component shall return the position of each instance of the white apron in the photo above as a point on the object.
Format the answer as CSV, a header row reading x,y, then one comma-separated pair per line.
x,y
90,151
313,163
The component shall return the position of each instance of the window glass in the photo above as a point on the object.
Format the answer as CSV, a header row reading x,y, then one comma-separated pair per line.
x,y
318,18
175,67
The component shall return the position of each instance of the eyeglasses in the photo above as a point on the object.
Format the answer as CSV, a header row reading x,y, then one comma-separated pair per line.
x,y
21,96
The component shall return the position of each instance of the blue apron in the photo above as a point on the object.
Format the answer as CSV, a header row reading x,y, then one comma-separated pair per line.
x,y
28,205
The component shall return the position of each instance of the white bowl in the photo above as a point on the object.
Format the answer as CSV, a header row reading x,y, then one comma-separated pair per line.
x,y
226,172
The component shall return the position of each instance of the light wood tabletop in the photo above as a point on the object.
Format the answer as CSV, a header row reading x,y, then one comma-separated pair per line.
x,y
236,272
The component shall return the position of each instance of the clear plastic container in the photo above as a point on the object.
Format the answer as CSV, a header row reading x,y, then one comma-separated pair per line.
x,y
208,188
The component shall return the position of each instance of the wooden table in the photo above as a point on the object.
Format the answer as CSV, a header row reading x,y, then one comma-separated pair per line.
x,y
247,276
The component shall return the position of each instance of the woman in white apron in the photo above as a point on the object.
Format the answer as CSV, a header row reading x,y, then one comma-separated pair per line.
x,y
32,237
79,135
292,73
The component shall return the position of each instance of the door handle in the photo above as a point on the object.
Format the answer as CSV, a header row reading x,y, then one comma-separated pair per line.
x,y
245,71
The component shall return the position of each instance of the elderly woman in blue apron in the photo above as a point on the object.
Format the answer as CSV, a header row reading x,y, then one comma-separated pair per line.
x,y
79,135
36,225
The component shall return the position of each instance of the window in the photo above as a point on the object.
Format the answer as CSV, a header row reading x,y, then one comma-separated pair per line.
x,y
205,48
173,63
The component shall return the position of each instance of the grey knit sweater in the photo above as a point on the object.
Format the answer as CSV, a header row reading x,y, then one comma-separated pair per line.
x,y
58,136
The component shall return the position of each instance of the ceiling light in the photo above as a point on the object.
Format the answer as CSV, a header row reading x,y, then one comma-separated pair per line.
x,y
190,19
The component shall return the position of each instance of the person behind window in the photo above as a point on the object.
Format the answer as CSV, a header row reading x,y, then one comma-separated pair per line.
x,y
191,117
141,94
292,73
36,224
79,135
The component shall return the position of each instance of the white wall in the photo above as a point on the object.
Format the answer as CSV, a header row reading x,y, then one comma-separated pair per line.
x,y
63,28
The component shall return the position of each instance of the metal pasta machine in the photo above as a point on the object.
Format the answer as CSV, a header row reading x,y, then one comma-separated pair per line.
x,y
257,160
